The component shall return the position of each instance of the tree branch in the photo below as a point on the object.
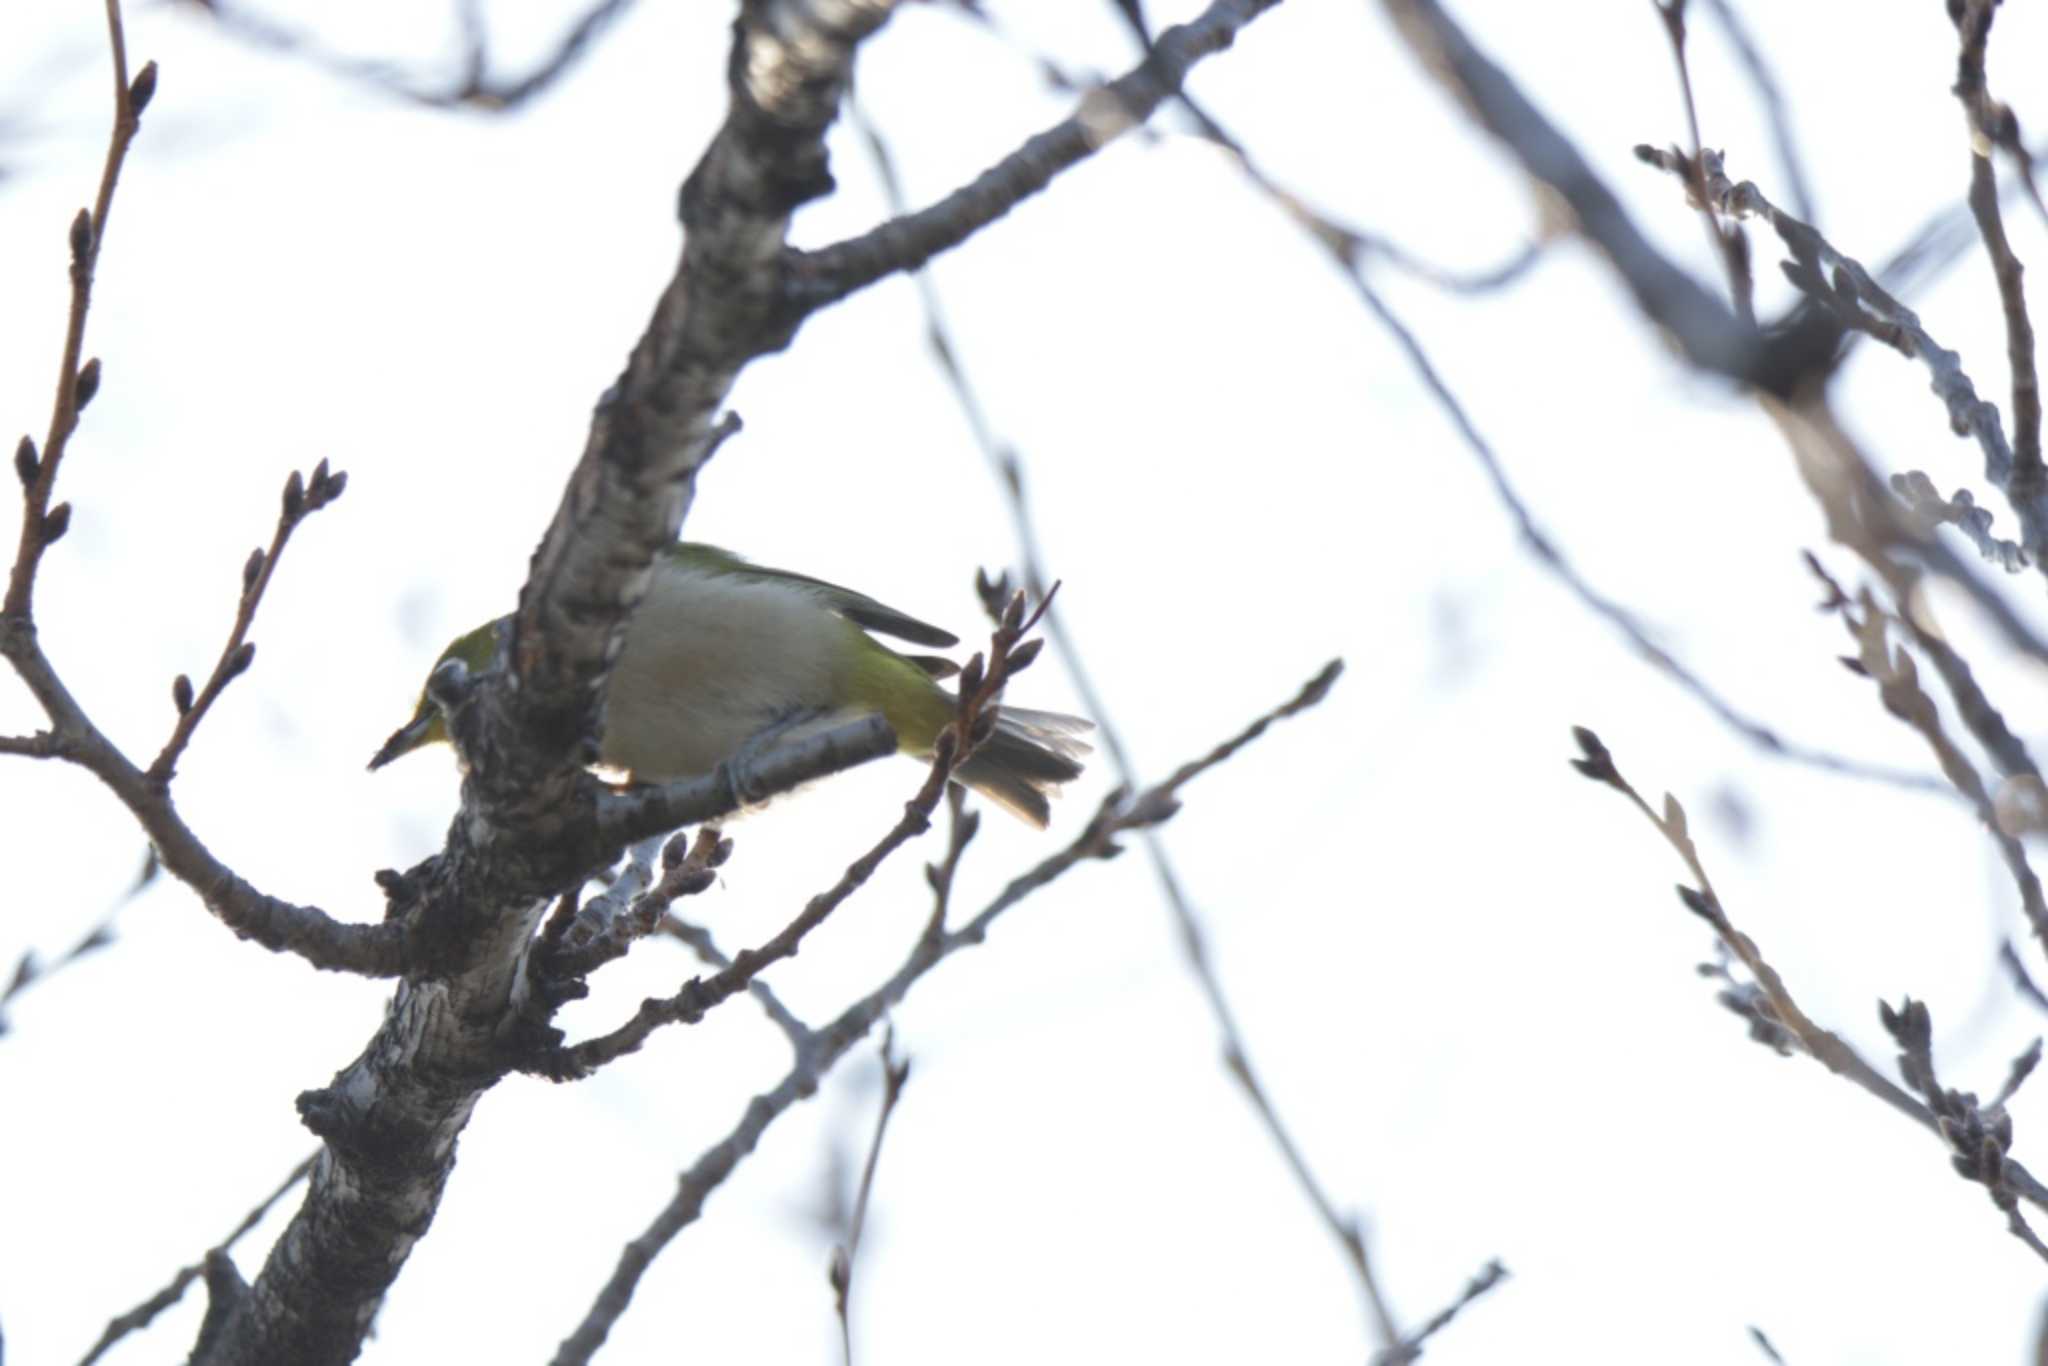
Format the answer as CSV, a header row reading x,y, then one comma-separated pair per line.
x,y
1822,1045
1118,815
907,242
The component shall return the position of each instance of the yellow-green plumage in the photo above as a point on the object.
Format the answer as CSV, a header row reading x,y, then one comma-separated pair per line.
x,y
720,651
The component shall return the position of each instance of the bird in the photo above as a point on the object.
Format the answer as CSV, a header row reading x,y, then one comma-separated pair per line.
x,y
721,653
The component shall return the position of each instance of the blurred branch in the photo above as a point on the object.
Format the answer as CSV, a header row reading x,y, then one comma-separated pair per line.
x,y
1409,1349
1236,1059
1862,517
476,88
1711,335
1766,84
1899,689
141,1315
1120,814
1351,249
28,971
1614,613
1846,292
1008,468
895,1074
1727,239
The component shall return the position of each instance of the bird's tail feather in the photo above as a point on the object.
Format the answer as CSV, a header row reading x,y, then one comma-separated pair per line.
x,y
1027,758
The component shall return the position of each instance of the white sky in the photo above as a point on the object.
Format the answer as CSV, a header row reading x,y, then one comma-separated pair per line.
x,y
1460,966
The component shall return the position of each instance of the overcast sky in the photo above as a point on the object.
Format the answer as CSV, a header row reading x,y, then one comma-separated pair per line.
x,y
1461,968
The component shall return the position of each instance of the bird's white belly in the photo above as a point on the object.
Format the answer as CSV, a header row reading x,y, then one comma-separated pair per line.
x,y
708,663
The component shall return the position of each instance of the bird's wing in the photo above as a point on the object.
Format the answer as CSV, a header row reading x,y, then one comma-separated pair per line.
x,y
858,608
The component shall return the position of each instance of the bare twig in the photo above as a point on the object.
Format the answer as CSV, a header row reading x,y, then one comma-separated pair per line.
x,y
1726,239
41,524
706,948
1990,123
962,824
607,926
1822,1045
1899,689
1979,1136
140,1316
1409,1349
895,1074
302,498
1763,1344
1119,814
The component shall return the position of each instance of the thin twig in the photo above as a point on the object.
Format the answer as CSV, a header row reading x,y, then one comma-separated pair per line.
x,y
1763,1344
1548,554
28,971
1822,1045
1726,239
301,499
607,926
1766,84
895,1075
41,524
706,947
1979,1135
1409,1349
1989,123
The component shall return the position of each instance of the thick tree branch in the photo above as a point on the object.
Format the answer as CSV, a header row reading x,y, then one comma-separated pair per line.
x,y
791,61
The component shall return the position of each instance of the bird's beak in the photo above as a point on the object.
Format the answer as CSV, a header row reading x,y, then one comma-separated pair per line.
x,y
406,738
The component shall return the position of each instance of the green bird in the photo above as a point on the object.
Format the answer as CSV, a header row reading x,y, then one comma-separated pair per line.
x,y
720,652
